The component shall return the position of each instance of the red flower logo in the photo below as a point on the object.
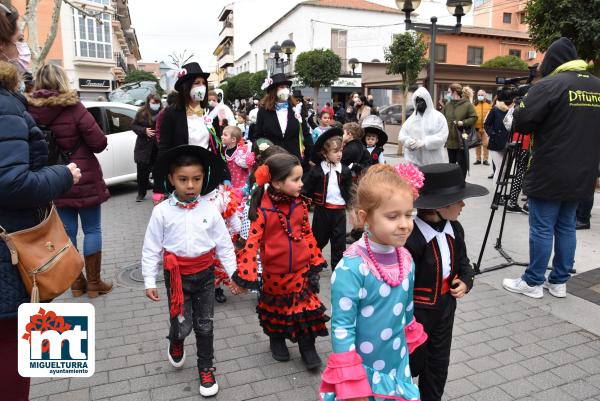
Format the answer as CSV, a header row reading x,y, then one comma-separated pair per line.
x,y
43,321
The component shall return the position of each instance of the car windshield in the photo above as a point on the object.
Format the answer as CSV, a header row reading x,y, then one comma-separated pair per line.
x,y
131,94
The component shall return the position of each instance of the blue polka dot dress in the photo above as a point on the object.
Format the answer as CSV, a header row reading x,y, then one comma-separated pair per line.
x,y
369,318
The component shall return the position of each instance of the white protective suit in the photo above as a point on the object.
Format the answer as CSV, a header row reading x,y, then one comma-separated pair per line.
x,y
428,131
221,110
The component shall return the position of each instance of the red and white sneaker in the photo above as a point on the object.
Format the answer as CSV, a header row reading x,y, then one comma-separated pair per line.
x,y
208,383
176,354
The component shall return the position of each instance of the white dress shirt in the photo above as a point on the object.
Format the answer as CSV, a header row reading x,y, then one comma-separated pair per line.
x,y
430,233
282,117
334,194
186,233
197,132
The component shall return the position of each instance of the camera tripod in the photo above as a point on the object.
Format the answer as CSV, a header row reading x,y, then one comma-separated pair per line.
x,y
508,170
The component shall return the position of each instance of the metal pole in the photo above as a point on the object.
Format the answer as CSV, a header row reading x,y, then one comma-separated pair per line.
x,y
432,59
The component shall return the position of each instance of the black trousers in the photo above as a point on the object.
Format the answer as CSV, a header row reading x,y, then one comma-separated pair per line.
x,y
143,177
329,225
430,361
517,184
584,210
198,313
457,156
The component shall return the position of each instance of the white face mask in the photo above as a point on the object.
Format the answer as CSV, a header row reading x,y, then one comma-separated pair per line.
x,y
283,94
197,93
212,104
154,106
480,98
255,101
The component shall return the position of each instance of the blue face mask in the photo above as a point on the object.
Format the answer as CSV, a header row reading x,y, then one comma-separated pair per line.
x,y
154,106
21,88
448,96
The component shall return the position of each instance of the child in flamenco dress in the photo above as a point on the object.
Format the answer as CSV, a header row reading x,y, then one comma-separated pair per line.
x,y
288,306
373,327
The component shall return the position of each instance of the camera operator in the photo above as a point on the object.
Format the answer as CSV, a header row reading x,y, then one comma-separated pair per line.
x,y
561,111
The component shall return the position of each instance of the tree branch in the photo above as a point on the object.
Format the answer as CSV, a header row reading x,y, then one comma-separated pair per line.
x,y
51,34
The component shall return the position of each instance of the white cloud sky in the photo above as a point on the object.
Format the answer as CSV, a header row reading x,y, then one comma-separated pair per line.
x,y
167,26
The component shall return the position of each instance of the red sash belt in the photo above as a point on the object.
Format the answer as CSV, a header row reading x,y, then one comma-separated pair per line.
x,y
446,285
332,206
178,266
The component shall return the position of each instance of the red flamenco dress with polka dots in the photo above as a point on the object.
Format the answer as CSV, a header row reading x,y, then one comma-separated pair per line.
x,y
288,305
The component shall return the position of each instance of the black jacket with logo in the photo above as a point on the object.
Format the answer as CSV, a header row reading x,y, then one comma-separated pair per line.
x,y
562,111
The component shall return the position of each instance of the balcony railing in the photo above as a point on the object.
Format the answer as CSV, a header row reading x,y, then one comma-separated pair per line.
x,y
346,69
226,24
120,61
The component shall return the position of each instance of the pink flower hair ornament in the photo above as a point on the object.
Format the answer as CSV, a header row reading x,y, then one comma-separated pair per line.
x,y
412,175
182,73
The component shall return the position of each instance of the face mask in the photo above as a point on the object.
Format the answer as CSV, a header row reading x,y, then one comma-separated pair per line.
x,y
154,106
197,93
449,96
255,101
212,104
421,105
480,98
283,94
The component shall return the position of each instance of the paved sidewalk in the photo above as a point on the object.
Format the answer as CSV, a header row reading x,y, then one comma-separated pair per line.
x,y
506,347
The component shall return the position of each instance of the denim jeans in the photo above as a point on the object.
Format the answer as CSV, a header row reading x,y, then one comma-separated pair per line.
x,y
198,313
90,223
550,221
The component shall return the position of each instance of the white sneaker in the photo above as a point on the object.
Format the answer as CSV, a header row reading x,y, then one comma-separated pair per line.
x,y
208,383
176,354
558,290
519,286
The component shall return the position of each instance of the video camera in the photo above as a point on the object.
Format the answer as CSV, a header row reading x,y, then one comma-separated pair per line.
x,y
511,88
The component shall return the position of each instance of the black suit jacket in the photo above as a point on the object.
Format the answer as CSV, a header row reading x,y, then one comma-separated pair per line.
x,y
356,153
316,183
267,126
174,132
428,266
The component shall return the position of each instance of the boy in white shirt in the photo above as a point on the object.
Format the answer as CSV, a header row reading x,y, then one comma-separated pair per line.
x,y
187,233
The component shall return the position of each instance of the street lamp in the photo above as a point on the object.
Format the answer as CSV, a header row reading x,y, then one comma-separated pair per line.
x,y
458,8
352,62
287,47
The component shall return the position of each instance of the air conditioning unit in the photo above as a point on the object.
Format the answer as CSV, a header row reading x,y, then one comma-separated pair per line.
x,y
531,54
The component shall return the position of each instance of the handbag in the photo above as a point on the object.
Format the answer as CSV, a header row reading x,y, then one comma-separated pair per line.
x,y
472,140
47,261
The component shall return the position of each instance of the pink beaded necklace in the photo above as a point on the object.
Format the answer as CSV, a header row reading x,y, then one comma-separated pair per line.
x,y
385,277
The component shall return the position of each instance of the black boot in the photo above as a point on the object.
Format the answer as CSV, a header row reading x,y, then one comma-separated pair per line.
x,y
278,349
309,354
220,295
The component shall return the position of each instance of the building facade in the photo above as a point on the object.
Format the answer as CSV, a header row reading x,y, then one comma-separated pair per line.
x,y
224,52
95,43
500,14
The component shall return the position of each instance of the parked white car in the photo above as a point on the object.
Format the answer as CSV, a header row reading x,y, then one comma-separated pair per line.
x,y
116,160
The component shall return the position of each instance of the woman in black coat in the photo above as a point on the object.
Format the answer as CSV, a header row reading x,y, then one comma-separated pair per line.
x,y
279,122
495,129
188,122
146,147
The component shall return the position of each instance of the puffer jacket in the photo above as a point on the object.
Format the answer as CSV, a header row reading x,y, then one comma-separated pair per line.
x,y
458,110
70,122
482,109
26,186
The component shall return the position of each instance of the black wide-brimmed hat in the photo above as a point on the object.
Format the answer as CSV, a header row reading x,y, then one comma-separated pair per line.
x,y
276,80
316,156
297,93
373,124
444,185
214,166
190,71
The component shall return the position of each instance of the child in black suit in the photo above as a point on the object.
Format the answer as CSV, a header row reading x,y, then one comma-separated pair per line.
x,y
328,184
